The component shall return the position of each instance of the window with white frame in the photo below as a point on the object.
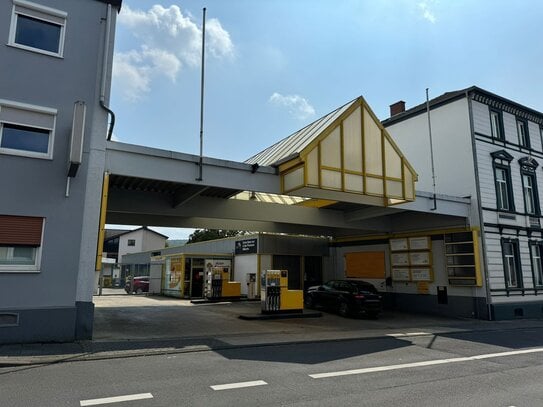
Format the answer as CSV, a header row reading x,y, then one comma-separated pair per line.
x,y
537,265
496,124
511,263
37,28
20,243
26,130
523,135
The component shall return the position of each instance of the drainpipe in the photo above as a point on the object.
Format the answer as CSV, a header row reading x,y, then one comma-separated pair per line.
x,y
104,74
479,206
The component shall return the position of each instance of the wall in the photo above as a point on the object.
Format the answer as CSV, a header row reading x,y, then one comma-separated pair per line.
x,y
152,241
145,241
404,296
507,224
451,135
243,265
61,293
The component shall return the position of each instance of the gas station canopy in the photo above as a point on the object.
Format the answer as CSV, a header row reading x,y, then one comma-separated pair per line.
x,y
345,156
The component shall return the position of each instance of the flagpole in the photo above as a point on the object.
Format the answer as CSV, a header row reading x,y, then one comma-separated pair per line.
x,y
201,163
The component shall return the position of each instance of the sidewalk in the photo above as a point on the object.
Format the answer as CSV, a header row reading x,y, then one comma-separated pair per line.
x,y
169,327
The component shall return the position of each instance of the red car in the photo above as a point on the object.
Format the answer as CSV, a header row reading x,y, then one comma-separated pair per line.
x,y
137,285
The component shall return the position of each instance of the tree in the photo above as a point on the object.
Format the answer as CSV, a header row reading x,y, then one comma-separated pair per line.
x,y
201,235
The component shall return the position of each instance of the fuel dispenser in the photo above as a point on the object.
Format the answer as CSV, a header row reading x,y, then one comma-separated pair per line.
x,y
275,296
218,284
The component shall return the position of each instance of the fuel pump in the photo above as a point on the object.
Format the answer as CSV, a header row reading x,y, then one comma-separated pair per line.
x,y
275,296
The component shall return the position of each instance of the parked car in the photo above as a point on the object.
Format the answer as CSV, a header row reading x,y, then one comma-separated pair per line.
x,y
137,285
347,297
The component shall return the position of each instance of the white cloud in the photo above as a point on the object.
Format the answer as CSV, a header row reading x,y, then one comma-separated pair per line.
x,y
169,41
298,106
427,14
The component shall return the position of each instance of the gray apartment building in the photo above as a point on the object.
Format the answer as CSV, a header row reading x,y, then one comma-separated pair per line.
x,y
55,59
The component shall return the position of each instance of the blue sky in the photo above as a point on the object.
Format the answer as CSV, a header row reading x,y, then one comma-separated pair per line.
x,y
274,66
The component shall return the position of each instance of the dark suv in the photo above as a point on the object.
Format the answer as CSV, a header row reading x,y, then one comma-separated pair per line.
x,y
347,297
137,285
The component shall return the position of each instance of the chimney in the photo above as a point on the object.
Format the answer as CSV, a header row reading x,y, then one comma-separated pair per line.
x,y
396,108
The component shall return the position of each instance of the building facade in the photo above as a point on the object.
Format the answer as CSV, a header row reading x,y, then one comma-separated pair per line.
x,y
56,64
487,148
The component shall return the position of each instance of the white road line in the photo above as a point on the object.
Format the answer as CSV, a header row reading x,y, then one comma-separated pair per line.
x,y
425,363
118,399
238,385
401,335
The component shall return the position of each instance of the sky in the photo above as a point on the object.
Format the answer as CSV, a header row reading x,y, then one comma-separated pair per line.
x,y
274,66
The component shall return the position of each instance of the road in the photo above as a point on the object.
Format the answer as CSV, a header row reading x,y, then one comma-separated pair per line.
x,y
491,368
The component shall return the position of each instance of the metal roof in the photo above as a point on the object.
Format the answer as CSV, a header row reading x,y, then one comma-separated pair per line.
x,y
291,146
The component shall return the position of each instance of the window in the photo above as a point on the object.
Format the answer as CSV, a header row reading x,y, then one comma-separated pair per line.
x,y
511,263
20,243
537,265
496,124
26,129
37,28
131,242
502,179
529,197
523,135
528,168
502,188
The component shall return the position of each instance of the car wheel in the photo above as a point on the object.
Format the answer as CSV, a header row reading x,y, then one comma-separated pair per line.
x,y
344,309
310,302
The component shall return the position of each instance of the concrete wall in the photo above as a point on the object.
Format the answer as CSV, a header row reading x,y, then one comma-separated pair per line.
x,y
61,292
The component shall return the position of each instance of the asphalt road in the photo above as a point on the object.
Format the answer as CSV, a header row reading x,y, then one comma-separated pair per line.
x,y
464,369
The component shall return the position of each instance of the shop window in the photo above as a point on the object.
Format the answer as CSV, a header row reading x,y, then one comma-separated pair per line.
x,y
528,168
26,130
502,179
20,243
511,263
37,28
496,124
536,249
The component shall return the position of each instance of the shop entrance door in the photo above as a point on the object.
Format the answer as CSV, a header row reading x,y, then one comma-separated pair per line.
x,y
312,271
197,277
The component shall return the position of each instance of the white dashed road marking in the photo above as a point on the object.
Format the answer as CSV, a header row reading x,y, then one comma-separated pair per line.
x,y
238,385
425,363
118,399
